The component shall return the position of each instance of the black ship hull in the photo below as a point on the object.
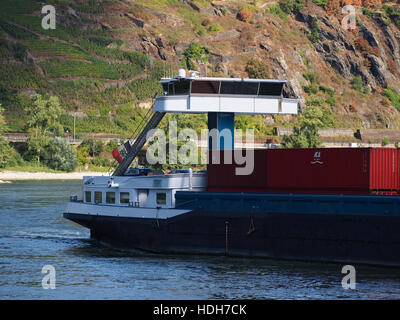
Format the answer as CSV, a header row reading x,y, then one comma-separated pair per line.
x,y
341,238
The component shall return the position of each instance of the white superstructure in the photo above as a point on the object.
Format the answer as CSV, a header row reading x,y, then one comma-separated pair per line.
x,y
196,94
135,196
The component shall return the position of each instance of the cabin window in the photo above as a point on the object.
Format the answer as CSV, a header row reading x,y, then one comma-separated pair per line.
x,y
170,88
142,195
270,89
124,197
165,88
209,87
161,198
244,88
110,197
88,196
98,197
182,87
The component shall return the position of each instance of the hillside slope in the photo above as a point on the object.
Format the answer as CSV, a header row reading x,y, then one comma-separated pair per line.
x,y
105,56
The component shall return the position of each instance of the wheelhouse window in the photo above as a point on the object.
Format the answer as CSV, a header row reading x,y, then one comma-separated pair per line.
x,y
208,87
88,196
161,198
171,89
270,89
242,88
124,197
98,197
165,88
110,197
182,87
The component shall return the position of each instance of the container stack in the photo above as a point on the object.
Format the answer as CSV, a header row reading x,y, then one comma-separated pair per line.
x,y
223,177
314,170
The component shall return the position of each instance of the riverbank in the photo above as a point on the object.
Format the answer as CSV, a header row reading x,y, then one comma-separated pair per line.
x,y
7,176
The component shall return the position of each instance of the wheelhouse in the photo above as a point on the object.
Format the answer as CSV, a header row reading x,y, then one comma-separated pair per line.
x,y
226,95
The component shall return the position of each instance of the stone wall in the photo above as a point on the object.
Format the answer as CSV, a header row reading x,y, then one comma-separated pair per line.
x,y
325,133
377,135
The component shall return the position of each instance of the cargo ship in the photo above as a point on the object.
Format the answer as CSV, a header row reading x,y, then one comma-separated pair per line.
x,y
325,204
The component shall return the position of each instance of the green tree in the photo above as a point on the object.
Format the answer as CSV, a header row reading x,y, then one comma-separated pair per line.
x,y
321,3
36,143
195,53
8,155
2,121
291,6
45,113
5,152
82,155
305,132
44,121
357,83
111,145
314,37
60,155
393,95
385,141
4,146
92,147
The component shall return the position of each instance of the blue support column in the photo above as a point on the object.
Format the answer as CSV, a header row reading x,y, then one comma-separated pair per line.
x,y
221,127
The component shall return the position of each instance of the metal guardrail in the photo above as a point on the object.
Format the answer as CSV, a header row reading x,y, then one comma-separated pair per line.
x,y
16,136
23,137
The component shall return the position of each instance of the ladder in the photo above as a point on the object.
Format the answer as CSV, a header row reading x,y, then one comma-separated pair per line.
x,y
132,147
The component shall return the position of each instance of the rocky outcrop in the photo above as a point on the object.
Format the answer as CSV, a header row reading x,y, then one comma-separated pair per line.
x,y
375,59
179,48
136,21
154,46
311,42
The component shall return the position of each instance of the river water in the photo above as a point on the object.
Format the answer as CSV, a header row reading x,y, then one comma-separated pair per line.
x,y
33,234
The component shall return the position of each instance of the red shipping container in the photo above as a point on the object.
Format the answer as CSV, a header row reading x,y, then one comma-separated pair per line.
x,y
322,170
223,177
346,170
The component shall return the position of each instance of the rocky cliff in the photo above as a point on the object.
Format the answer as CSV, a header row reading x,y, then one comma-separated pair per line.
x,y
354,72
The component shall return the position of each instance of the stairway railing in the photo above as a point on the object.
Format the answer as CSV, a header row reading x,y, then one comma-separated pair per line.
x,y
139,128
149,122
142,123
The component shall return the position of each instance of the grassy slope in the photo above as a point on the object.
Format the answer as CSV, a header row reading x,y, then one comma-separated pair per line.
x,y
73,64
80,67
91,71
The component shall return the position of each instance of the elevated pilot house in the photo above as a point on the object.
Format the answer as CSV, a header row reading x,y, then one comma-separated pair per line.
x,y
222,98
236,95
